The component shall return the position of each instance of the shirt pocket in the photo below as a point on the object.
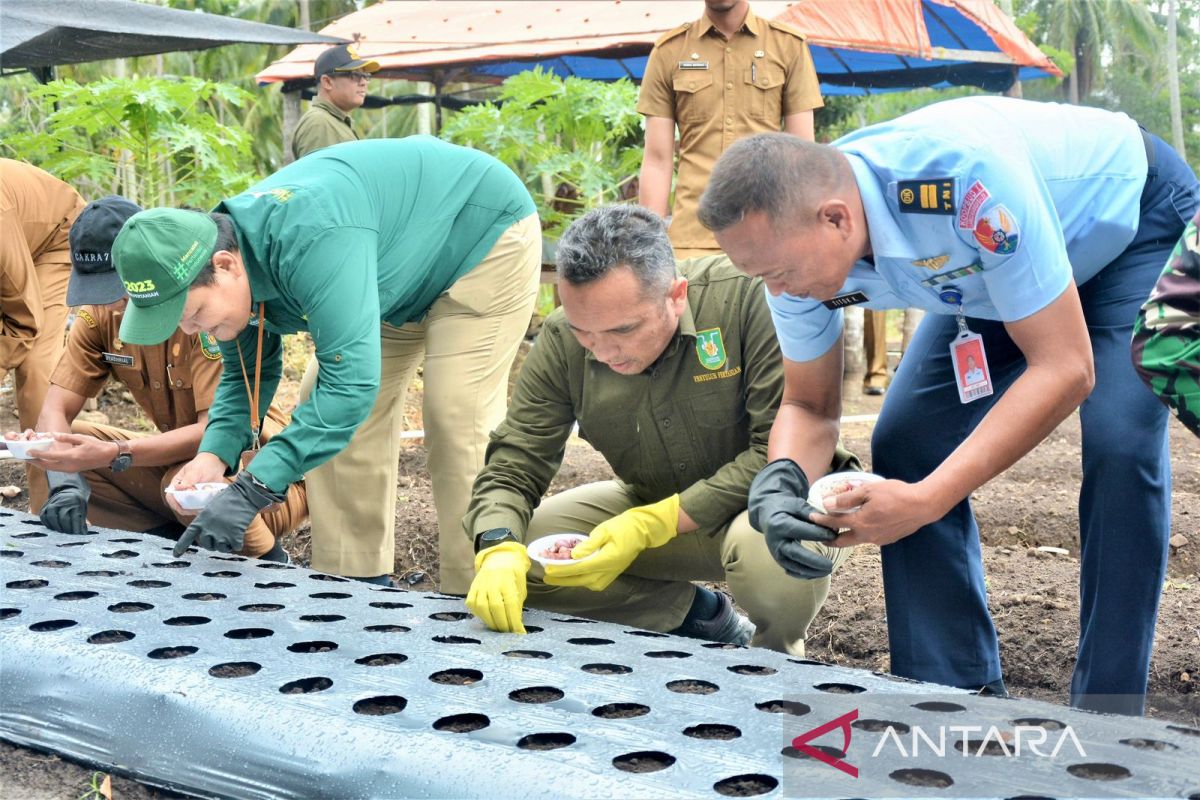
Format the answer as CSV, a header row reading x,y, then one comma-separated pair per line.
x,y
617,438
720,427
131,377
763,84
695,99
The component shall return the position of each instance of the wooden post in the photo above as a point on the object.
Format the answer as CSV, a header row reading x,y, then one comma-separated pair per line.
x,y
291,118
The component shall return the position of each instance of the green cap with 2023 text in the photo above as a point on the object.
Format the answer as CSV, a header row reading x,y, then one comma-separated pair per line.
x,y
158,254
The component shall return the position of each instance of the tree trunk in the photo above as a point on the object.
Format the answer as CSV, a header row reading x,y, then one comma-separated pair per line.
x,y
291,118
1173,79
912,318
305,17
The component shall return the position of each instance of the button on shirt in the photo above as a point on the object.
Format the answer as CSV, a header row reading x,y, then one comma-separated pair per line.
x,y
1002,199
336,243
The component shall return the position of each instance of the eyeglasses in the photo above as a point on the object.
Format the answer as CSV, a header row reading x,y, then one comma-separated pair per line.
x,y
355,76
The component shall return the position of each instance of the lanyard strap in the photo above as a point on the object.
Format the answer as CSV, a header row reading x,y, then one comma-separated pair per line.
x,y
253,395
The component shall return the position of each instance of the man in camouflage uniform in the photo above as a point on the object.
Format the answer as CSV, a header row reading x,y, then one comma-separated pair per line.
x,y
1166,335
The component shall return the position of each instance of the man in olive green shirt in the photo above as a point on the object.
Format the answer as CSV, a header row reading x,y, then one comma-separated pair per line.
x,y
341,87
390,253
675,378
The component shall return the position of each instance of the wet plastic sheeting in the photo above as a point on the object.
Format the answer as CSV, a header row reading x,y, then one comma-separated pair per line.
x,y
223,676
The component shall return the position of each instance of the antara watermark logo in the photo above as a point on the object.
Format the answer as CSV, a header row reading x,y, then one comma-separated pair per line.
x,y
970,741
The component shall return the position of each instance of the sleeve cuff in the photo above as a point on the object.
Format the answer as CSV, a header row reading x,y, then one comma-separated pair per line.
x,y
698,502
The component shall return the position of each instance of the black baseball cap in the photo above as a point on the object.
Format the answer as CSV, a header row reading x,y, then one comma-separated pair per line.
x,y
94,279
342,58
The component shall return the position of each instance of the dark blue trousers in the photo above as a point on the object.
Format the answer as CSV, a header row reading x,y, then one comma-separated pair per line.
x,y
938,622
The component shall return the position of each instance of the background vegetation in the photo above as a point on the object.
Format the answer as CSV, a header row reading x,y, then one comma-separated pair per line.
x,y
191,127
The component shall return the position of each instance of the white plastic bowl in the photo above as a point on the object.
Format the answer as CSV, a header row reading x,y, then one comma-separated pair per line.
x,y
196,499
24,449
824,486
537,547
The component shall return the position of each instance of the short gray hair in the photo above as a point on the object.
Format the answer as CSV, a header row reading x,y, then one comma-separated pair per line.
x,y
615,236
771,172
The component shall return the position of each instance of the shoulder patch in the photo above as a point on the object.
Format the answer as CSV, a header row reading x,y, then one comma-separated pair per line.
x,y
997,231
87,317
926,196
783,26
208,346
671,34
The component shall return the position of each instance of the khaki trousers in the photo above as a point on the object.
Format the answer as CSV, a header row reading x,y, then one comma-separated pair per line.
x,y
467,343
133,500
31,377
655,593
875,345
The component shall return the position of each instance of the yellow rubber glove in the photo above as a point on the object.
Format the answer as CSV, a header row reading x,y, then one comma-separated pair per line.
x,y
498,591
616,543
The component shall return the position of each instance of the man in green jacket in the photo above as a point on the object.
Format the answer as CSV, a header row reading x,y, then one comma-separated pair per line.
x,y
675,378
390,253
341,87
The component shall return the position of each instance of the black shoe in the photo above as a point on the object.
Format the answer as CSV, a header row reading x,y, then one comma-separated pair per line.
x,y
726,626
874,391
378,580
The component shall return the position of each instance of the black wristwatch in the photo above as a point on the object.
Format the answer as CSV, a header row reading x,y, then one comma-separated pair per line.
x,y
493,537
124,459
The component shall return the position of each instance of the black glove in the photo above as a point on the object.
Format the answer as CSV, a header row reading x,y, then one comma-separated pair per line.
x,y
222,525
66,510
779,509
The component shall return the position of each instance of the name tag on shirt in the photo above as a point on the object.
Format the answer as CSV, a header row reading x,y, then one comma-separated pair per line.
x,y
116,358
693,65
843,300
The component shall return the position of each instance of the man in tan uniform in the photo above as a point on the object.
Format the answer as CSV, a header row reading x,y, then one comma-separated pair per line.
x,y
341,87
125,472
36,212
727,75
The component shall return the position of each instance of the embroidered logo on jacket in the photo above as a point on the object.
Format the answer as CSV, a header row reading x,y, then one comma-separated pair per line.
x,y
997,231
710,348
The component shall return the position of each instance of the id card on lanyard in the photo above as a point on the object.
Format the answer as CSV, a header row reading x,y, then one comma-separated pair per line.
x,y
971,374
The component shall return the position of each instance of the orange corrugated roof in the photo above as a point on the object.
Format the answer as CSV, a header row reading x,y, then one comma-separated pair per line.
x,y
420,33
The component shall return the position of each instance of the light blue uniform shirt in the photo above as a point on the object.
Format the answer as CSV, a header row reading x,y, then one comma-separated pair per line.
x,y
1023,195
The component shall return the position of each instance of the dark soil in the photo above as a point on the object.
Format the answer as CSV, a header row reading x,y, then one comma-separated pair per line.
x,y
1033,593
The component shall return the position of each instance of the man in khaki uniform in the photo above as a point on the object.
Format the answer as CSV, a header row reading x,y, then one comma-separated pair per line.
x,y
727,75
125,472
675,378
36,212
341,87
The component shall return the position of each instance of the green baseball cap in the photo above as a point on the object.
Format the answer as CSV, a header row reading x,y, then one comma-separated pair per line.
x,y
158,254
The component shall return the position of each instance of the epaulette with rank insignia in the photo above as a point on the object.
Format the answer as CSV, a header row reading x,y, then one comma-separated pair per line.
x,y
783,26
671,34
926,196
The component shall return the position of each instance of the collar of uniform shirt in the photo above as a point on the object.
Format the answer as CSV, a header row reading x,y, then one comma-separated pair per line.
x,y
749,25
887,240
332,109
